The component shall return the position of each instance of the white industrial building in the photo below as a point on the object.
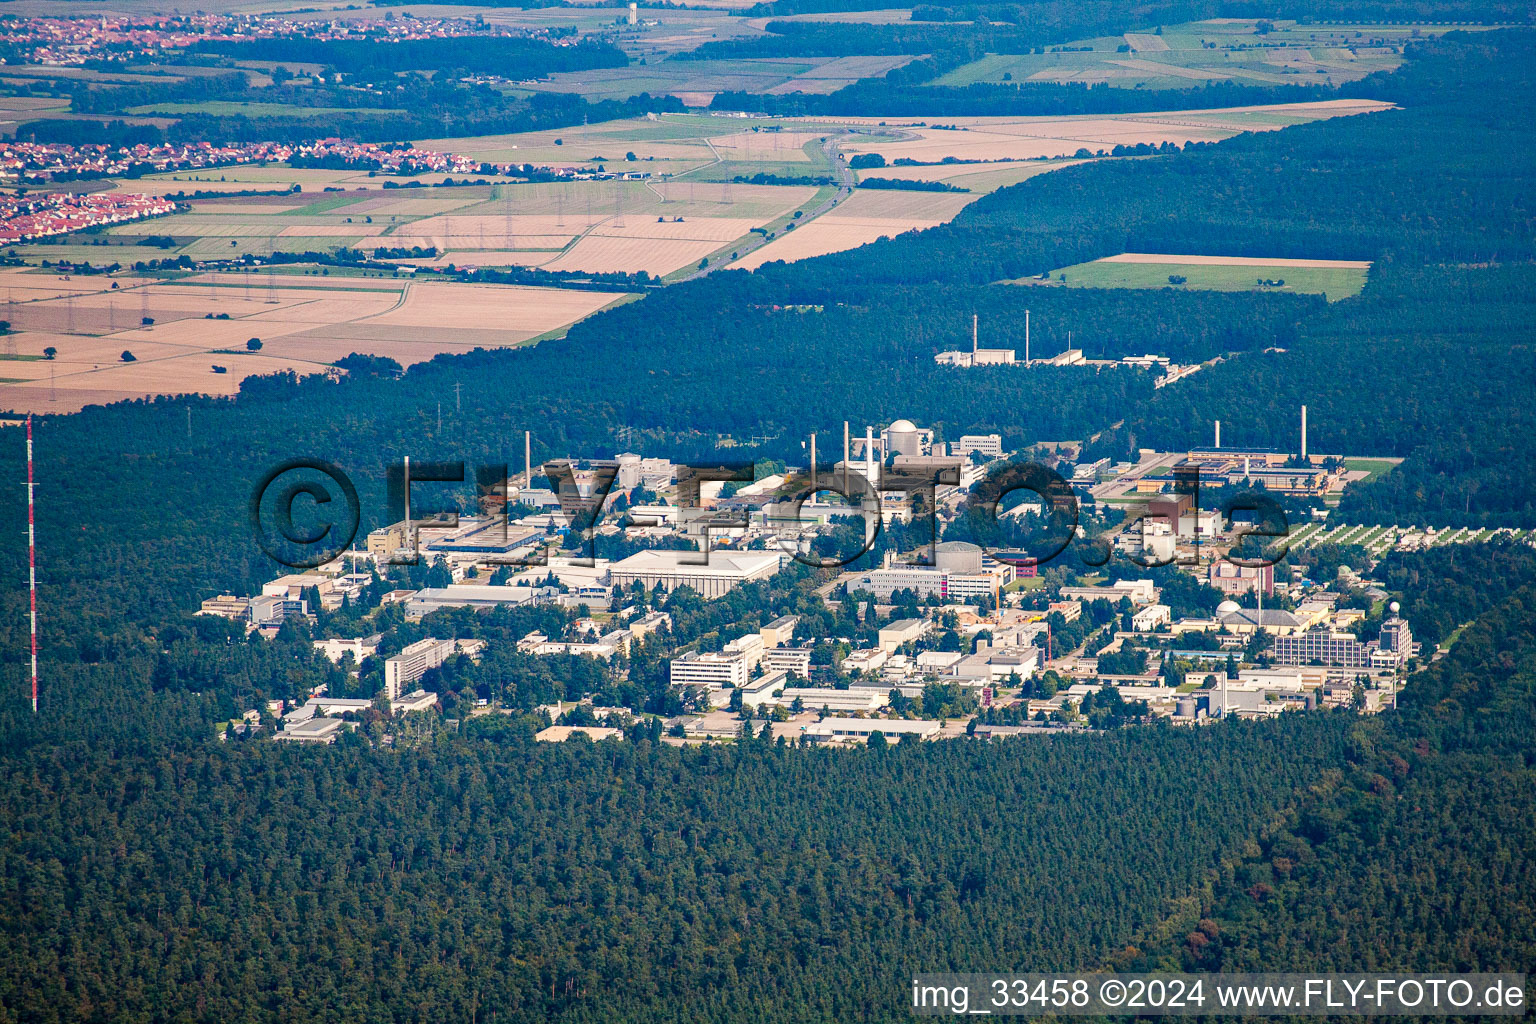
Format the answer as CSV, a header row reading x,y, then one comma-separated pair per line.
x,y
833,729
669,570
989,445
817,698
362,647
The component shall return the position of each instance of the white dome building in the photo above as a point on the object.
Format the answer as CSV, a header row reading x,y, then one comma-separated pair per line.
x,y
903,438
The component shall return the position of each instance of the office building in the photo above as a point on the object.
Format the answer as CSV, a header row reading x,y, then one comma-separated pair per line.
x,y
414,662
1242,579
780,631
788,659
989,445
1321,647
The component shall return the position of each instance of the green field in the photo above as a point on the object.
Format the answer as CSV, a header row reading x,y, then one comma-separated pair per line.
x,y
1333,282
1375,467
1188,55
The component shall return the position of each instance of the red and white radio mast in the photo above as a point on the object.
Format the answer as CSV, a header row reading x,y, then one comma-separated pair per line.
x,y
32,559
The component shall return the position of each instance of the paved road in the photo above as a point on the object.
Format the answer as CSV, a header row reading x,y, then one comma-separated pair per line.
x,y
844,176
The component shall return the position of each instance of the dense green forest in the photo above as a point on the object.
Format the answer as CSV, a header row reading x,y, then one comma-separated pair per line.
x,y
1416,854
151,874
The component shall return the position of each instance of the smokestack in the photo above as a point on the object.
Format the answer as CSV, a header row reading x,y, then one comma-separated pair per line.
x,y
1218,433
846,455
1303,432
1247,474
869,454
1026,337
974,324
813,465
527,458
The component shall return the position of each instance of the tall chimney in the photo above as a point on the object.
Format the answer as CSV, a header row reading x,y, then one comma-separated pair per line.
x,y
813,465
1303,433
869,454
1026,337
527,458
974,322
1218,433
846,455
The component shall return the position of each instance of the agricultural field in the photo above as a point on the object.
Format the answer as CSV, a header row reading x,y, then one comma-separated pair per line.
x,y
304,324
1335,279
696,82
979,178
1228,49
1034,138
862,218
702,147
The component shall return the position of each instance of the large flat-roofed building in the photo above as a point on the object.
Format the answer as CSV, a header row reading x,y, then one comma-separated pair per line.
x,y
901,631
928,580
669,570
227,605
562,733
833,729
731,666
713,670
819,698
1140,592
416,700
414,662
360,648
313,730
754,692
480,537
424,602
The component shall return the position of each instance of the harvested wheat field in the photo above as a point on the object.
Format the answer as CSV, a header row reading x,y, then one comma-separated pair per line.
x,y
1027,138
824,235
957,174
303,323
608,253
778,147
524,312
